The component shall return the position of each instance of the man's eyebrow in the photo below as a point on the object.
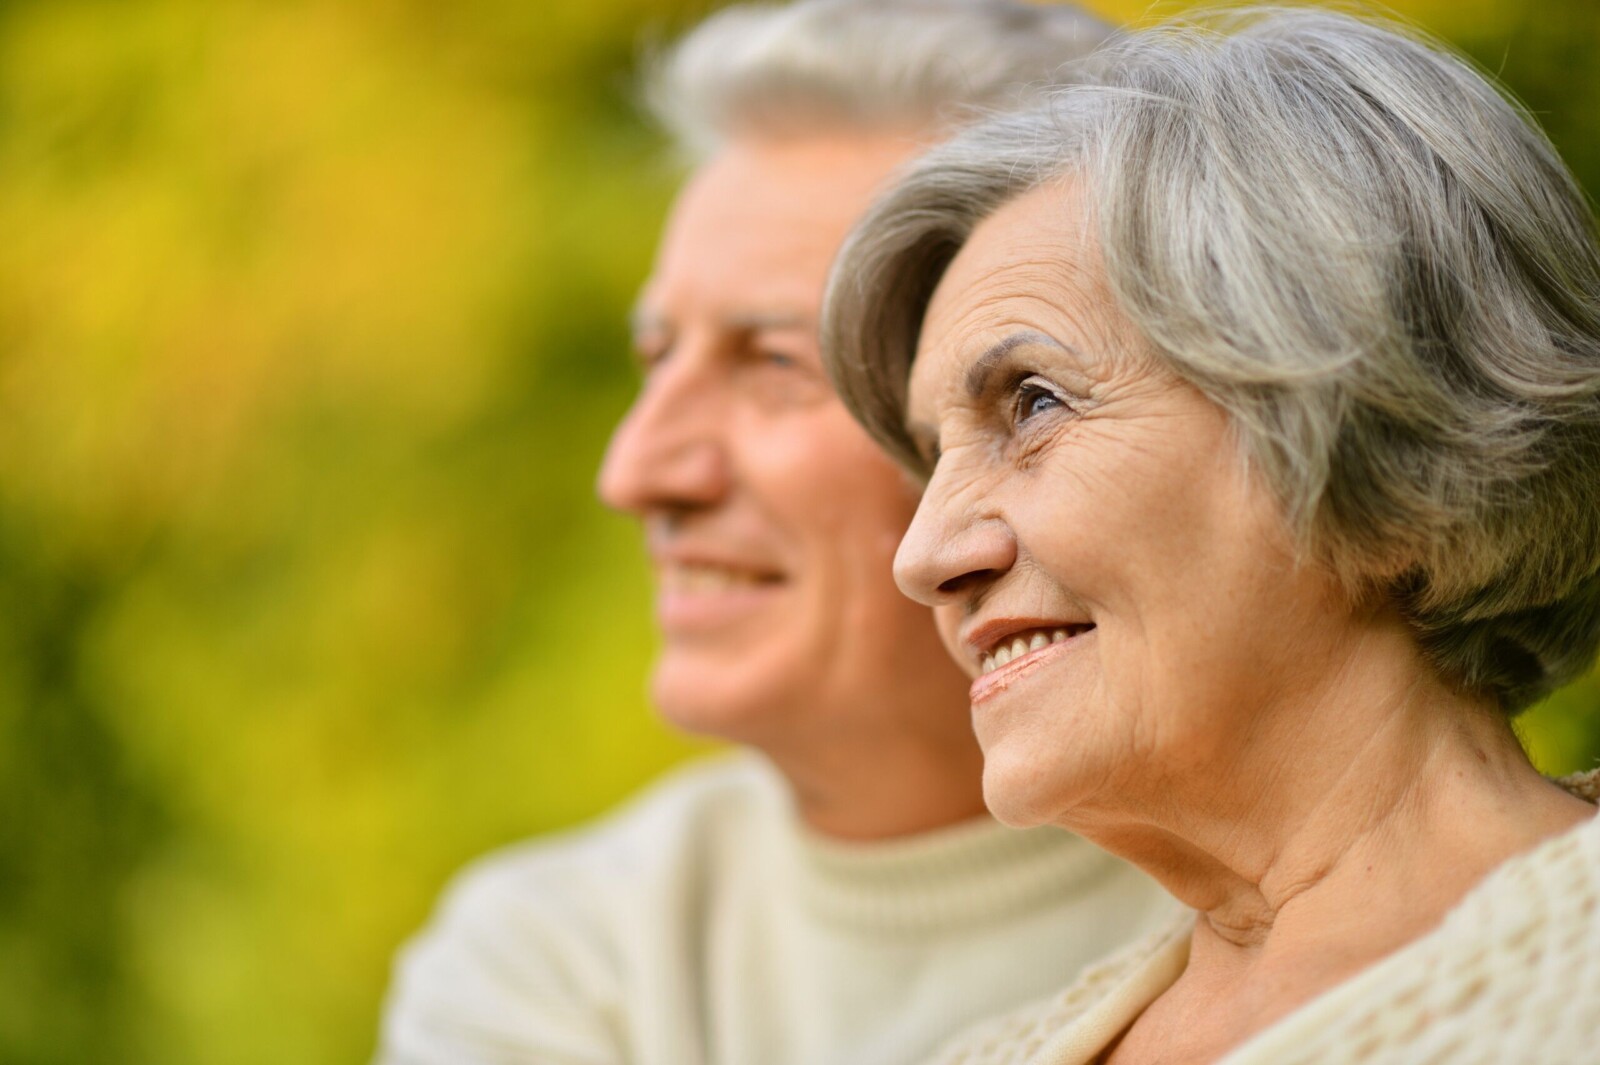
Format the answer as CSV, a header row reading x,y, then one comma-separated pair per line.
x,y
643,320
752,321
984,366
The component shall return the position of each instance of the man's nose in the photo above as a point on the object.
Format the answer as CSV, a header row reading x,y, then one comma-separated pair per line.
x,y
668,450
954,547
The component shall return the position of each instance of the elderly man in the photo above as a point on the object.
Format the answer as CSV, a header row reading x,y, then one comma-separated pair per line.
x,y
835,893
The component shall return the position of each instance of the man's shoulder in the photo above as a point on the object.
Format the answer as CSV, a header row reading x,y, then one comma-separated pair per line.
x,y
536,946
692,815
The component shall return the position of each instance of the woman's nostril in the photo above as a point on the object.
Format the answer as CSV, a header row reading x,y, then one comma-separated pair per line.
x,y
957,585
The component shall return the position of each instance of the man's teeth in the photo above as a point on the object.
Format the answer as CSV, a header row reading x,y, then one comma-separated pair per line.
x,y
700,579
1022,644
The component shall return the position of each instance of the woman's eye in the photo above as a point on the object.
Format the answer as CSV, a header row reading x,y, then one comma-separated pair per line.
x,y
1033,399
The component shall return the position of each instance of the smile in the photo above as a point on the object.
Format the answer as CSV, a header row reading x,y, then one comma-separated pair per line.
x,y
703,578
1025,643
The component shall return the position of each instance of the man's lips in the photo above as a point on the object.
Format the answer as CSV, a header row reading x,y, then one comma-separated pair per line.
x,y
699,597
709,578
710,573
706,559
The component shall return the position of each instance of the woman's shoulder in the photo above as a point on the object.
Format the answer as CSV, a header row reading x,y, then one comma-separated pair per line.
x,y
1584,785
1517,964
1512,973
1100,1002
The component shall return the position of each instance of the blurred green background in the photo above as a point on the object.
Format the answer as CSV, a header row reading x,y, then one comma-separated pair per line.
x,y
311,334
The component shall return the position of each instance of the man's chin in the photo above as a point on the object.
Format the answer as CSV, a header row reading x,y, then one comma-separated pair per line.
x,y
722,614
737,702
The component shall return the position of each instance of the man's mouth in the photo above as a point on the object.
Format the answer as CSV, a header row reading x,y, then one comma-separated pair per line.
x,y
1021,643
710,578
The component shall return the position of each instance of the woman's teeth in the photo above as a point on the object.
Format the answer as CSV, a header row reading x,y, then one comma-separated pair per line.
x,y
1022,643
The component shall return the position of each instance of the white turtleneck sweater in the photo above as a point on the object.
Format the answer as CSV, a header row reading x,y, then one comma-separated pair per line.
x,y
704,924
1510,975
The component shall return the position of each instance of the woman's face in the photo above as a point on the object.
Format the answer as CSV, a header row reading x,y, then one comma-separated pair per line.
x,y
1120,587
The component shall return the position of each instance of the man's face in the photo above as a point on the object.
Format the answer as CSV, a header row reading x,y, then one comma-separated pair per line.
x,y
771,518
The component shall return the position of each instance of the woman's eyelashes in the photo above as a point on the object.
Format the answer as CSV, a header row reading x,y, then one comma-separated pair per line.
x,y
1033,397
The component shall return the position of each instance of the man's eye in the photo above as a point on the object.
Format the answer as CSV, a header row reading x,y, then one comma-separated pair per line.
x,y
1034,399
781,359
648,356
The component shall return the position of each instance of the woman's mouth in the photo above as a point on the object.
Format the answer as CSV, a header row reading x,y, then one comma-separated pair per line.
x,y
1019,654
1026,642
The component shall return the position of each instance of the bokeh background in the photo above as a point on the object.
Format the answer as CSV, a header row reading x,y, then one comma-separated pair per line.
x,y
311,334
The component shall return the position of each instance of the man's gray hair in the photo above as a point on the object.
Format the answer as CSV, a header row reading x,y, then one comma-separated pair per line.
x,y
771,69
1349,240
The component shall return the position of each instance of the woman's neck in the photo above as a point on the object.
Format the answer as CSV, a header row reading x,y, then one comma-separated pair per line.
x,y
1344,829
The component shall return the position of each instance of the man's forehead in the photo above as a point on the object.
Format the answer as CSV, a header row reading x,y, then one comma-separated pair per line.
x,y
769,203
647,318
755,228
740,266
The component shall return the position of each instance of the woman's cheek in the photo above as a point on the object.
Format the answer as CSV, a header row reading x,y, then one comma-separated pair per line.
x,y
947,619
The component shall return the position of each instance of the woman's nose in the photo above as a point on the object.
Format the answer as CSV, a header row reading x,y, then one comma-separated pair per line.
x,y
952,550
667,453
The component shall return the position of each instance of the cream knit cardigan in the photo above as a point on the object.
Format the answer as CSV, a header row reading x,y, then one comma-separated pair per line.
x,y
1511,975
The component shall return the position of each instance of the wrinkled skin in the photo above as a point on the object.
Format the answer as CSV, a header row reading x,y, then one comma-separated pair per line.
x,y
1282,759
1084,483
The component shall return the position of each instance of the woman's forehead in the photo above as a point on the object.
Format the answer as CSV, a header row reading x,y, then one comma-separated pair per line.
x,y
1029,268
1038,246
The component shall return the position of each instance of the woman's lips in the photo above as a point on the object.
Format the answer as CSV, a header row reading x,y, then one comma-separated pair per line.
x,y
1003,668
1018,641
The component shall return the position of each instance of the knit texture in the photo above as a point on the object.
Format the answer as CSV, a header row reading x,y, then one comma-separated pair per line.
x,y
704,924
1512,974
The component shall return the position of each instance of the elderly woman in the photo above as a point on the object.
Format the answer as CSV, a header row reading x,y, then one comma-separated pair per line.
x,y
1256,388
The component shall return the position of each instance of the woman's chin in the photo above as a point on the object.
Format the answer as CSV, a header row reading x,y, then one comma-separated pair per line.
x,y
1019,792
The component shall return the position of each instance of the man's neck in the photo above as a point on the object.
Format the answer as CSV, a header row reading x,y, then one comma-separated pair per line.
x,y
884,788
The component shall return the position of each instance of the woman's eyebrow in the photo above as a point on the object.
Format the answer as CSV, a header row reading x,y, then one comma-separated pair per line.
x,y
984,366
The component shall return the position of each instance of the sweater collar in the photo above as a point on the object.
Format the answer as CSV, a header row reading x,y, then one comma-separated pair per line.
x,y
951,878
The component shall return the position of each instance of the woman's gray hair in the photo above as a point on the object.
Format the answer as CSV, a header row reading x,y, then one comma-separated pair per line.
x,y
1376,264
778,68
